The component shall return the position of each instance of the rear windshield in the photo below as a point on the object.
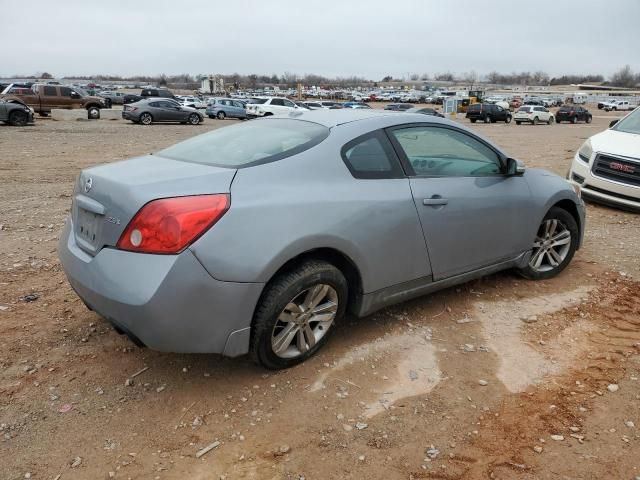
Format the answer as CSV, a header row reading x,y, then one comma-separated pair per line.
x,y
247,144
258,100
630,123
524,109
566,109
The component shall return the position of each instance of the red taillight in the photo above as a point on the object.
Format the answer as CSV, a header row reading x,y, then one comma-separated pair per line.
x,y
169,225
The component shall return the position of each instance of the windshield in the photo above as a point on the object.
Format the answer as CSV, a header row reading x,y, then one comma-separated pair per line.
x,y
630,123
249,144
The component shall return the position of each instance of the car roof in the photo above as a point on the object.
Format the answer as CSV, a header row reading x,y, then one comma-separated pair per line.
x,y
333,118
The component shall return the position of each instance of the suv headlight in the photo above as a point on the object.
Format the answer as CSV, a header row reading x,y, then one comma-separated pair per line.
x,y
585,151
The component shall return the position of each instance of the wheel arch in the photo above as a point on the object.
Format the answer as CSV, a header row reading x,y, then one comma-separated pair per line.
x,y
570,207
331,255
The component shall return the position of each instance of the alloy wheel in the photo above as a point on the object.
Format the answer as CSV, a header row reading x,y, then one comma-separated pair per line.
x,y
304,321
551,246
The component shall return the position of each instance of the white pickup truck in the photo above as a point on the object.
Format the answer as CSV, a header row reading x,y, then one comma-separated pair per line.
x,y
263,107
617,105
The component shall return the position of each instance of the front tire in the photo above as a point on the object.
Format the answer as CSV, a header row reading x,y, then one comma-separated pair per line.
x,y
588,119
487,119
554,246
550,121
296,314
194,119
18,118
535,121
221,115
508,119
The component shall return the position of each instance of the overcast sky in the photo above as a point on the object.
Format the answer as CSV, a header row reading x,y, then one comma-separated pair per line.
x,y
369,38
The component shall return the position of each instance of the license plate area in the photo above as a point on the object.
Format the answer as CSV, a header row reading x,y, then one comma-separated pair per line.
x,y
88,228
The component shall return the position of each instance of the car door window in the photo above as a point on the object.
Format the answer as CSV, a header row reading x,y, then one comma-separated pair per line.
x,y
445,152
277,101
371,156
288,103
50,92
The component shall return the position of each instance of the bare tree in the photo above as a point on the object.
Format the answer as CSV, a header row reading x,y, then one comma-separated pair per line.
x,y
623,77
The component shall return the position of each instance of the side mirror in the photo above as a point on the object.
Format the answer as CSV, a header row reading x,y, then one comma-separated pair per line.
x,y
613,122
515,167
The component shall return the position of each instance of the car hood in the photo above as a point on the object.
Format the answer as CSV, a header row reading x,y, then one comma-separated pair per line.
x,y
617,143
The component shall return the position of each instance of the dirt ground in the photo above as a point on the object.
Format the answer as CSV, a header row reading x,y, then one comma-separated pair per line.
x,y
498,378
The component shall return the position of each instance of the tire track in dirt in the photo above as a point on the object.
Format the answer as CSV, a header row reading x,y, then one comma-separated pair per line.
x,y
563,405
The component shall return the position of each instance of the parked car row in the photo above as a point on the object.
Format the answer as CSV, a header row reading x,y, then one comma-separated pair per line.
x,y
534,114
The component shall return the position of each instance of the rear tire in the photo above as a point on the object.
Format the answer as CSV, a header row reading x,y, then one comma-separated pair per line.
x,y
286,305
554,246
221,115
550,121
487,119
508,119
146,119
18,118
93,113
588,119
535,121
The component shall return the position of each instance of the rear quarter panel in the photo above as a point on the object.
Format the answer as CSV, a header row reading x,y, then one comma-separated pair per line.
x,y
282,209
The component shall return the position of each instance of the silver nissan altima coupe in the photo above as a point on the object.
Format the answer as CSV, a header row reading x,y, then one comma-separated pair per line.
x,y
258,237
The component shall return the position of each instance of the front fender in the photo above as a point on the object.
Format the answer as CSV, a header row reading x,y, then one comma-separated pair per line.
x,y
549,189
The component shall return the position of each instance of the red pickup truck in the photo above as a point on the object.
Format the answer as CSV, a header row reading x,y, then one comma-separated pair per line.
x,y
43,98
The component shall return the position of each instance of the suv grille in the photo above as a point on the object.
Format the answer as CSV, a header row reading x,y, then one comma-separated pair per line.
x,y
617,169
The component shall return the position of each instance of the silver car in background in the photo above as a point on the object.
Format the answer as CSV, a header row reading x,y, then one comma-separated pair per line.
x,y
152,110
258,237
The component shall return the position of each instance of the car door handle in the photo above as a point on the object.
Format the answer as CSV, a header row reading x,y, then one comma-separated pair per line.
x,y
435,200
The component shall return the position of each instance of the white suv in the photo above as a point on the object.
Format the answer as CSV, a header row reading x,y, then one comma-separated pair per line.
x,y
263,107
607,166
533,114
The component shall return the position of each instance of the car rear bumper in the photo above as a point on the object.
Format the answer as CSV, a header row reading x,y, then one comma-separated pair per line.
x,y
601,189
169,302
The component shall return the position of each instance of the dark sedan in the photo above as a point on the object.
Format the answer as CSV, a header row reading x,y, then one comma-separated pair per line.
x,y
573,114
425,111
398,107
153,110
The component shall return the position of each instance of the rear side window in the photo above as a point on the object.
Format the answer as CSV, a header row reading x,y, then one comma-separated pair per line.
x,y
371,156
50,92
248,144
277,101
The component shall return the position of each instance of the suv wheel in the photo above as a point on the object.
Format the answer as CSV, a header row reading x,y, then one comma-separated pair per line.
x,y
296,313
550,121
535,121
487,119
588,119
508,119
554,245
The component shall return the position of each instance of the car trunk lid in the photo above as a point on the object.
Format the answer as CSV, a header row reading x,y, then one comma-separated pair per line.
x,y
107,197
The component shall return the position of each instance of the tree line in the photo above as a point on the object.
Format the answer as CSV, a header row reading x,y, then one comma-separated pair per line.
x,y
625,77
